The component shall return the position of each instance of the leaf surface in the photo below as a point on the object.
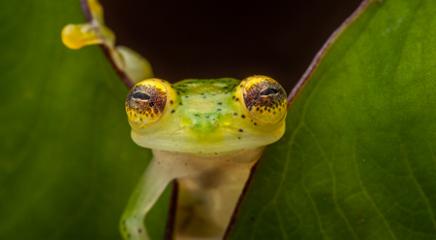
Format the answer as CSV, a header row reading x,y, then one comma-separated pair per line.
x,y
357,161
358,157
67,164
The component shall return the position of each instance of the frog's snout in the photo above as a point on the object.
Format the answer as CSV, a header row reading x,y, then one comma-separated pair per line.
x,y
204,122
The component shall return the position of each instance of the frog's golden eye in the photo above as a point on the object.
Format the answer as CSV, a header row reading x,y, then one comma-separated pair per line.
x,y
264,99
146,101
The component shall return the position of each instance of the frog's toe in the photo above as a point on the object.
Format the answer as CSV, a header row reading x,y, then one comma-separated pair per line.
x,y
133,229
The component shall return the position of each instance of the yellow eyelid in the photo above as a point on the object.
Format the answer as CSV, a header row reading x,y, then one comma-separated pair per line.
x,y
151,113
265,115
161,84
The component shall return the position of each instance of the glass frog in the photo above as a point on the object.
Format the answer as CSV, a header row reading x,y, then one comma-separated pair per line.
x,y
205,133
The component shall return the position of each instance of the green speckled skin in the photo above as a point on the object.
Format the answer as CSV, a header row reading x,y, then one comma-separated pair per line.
x,y
206,105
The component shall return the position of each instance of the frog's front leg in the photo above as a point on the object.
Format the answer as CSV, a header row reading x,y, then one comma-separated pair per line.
x,y
163,168
153,182
150,187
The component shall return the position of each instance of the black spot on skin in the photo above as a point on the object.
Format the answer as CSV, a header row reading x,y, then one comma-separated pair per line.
x,y
241,130
235,114
173,111
139,230
220,103
239,137
171,102
242,116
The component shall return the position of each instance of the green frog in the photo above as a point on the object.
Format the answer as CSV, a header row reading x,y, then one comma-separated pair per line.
x,y
205,133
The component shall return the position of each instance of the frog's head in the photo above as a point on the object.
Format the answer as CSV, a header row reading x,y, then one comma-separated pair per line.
x,y
207,116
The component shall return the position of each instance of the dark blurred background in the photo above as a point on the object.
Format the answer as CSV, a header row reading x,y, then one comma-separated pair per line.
x,y
208,39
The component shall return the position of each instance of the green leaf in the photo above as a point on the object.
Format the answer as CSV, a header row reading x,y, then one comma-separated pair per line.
x,y
67,164
357,161
358,158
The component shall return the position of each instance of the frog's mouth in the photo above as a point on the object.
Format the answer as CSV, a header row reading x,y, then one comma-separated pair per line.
x,y
222,140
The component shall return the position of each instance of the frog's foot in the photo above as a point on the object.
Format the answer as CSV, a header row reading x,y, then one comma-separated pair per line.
x,y
127,61
76,36
132,228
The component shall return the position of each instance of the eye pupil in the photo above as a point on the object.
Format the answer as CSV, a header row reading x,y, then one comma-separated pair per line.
x,y
269,91
141,95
